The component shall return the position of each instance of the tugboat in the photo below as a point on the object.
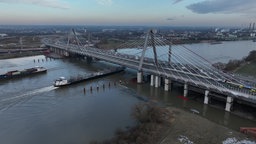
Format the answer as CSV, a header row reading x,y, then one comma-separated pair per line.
x,y
62,81
21,73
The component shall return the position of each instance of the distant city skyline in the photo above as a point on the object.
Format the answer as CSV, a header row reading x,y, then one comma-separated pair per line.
x,y
129,12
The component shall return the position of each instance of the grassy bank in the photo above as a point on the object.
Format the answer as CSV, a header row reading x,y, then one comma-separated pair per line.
x,y
190,128
17,55
152,124
159,125
248,69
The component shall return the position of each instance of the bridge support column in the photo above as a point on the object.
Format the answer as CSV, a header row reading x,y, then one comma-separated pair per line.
x,y
157,81
89,59
139,77
152,80
229,103
66,53
61,52
166,84
206,97
185,90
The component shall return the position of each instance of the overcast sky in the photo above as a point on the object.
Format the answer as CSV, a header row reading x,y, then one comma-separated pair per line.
x,y
129,12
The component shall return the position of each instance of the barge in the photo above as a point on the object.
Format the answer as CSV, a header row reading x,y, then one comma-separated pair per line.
x,y
21,73
62,81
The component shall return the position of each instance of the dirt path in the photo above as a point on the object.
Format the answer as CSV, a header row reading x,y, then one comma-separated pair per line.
x,y
189,128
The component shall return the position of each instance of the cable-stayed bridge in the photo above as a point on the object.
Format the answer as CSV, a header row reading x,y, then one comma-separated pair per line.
x,y
151,54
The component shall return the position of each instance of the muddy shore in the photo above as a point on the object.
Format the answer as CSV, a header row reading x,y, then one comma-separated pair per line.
x,y
188,128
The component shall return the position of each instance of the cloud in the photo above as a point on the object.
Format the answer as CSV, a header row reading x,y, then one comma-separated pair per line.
x,y
105,2
224,6
46,3
177,1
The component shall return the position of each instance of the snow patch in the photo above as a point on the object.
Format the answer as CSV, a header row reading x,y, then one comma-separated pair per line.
x,y
185,140
235,141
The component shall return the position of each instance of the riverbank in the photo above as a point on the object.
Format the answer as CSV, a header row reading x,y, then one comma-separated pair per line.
x,y
152,122
171,125
189,128
17,55
247,69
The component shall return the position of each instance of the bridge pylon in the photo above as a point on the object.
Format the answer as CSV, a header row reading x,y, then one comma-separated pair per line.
x,y
150,34
149,40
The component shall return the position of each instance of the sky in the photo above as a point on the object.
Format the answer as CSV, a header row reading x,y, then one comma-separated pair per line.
x,y
129,12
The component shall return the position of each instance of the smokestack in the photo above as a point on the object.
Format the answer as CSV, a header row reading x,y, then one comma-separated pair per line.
x,y
250,26
253,26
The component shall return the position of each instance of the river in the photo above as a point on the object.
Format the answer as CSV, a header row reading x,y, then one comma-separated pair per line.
x,y
223,52
213,53
33,111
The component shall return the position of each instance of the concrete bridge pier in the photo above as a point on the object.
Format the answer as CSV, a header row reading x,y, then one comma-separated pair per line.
x,y
166,84
206,97
229,103
139,77
205,110
61,52
55,50
89,59
157,81
152,80
66,53
226,118
185,89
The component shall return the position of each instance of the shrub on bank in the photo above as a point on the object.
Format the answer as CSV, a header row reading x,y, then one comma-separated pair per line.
x,y
152,121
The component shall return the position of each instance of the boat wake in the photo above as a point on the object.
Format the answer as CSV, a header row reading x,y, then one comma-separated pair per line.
x,y
30,93
123,86
9,102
